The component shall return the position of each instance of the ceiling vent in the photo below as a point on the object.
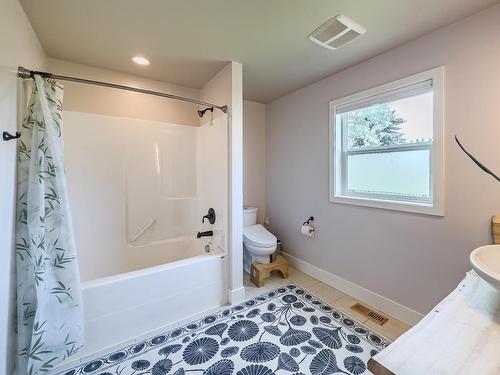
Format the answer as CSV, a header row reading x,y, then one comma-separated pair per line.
x,y
337,32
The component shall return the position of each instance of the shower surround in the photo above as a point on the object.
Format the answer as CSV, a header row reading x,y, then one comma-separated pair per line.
x,y
138,190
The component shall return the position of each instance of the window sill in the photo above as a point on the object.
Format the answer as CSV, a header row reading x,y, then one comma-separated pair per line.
x,y
420,208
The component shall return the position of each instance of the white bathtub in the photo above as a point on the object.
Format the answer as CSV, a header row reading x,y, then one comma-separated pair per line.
x,y
161,284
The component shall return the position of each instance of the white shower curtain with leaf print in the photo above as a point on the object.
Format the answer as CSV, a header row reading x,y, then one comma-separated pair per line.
x,y
49,306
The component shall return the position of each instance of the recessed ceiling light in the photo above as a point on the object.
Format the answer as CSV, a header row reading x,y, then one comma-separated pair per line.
x,y
140,60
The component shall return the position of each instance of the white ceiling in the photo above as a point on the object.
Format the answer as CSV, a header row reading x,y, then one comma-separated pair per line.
x,y
188,41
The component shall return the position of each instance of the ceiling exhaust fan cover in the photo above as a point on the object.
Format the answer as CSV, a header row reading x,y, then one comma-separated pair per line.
x,y
337,32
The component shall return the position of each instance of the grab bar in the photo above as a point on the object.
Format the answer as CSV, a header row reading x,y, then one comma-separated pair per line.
x,y
142,230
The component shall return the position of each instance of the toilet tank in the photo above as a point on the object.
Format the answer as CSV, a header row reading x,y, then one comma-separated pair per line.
x,y
249,216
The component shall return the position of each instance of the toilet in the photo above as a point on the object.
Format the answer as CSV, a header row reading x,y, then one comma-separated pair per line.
x,y
258,242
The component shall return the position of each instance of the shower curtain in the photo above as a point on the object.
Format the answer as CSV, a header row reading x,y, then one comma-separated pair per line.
x,y
49,306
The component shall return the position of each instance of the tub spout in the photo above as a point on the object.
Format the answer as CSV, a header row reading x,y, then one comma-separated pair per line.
x,y
205,234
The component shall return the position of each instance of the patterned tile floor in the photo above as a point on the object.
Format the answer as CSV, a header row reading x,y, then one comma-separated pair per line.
x,y
341,301
280,328
284,330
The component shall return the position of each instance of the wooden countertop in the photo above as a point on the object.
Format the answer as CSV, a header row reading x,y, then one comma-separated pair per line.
x,y
460,336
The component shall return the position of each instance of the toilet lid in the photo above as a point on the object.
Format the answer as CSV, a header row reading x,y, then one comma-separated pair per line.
x,y
257,235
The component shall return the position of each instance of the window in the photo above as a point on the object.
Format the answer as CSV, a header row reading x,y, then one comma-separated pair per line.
x,y
386,146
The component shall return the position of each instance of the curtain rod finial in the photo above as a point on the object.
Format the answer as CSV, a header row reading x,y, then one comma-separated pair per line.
x,y
23,72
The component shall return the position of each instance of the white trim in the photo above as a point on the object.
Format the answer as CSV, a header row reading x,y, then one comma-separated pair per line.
x,y
394,309
385,96
236,178
236,296
437,168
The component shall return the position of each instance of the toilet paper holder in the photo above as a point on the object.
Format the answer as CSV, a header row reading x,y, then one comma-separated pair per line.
x,y
308,221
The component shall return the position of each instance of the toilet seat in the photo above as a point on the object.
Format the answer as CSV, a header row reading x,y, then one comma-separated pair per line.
x,y
258,236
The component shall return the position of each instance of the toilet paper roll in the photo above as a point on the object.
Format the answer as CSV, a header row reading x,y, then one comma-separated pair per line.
x,y
307,230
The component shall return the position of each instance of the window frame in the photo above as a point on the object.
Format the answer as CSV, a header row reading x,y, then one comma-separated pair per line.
x,y
338,158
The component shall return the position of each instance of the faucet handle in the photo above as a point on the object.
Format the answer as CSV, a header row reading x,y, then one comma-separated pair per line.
x,y
210,216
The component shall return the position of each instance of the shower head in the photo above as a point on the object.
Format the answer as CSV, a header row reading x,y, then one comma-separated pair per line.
x,y
202,112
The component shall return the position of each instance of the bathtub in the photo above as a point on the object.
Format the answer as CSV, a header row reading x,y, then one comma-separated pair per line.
x,y
161,283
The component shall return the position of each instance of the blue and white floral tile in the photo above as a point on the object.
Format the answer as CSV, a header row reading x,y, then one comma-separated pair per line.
x,y
286,331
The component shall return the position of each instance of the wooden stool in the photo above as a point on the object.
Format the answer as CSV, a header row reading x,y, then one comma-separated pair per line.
x,y
495,229
260,272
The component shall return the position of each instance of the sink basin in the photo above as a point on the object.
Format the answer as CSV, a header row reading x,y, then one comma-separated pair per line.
x,y
486,262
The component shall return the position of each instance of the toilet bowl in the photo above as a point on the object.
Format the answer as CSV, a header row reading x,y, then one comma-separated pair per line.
x,y
258,242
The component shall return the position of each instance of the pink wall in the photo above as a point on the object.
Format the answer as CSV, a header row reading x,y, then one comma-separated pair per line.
x,y
254,157
121,103
19,46
412,259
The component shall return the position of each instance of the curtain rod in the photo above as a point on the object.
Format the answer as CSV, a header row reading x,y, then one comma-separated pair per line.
x,y
26,73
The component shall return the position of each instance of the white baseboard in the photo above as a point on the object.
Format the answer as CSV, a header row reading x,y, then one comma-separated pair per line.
x,y
236,296
398,311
